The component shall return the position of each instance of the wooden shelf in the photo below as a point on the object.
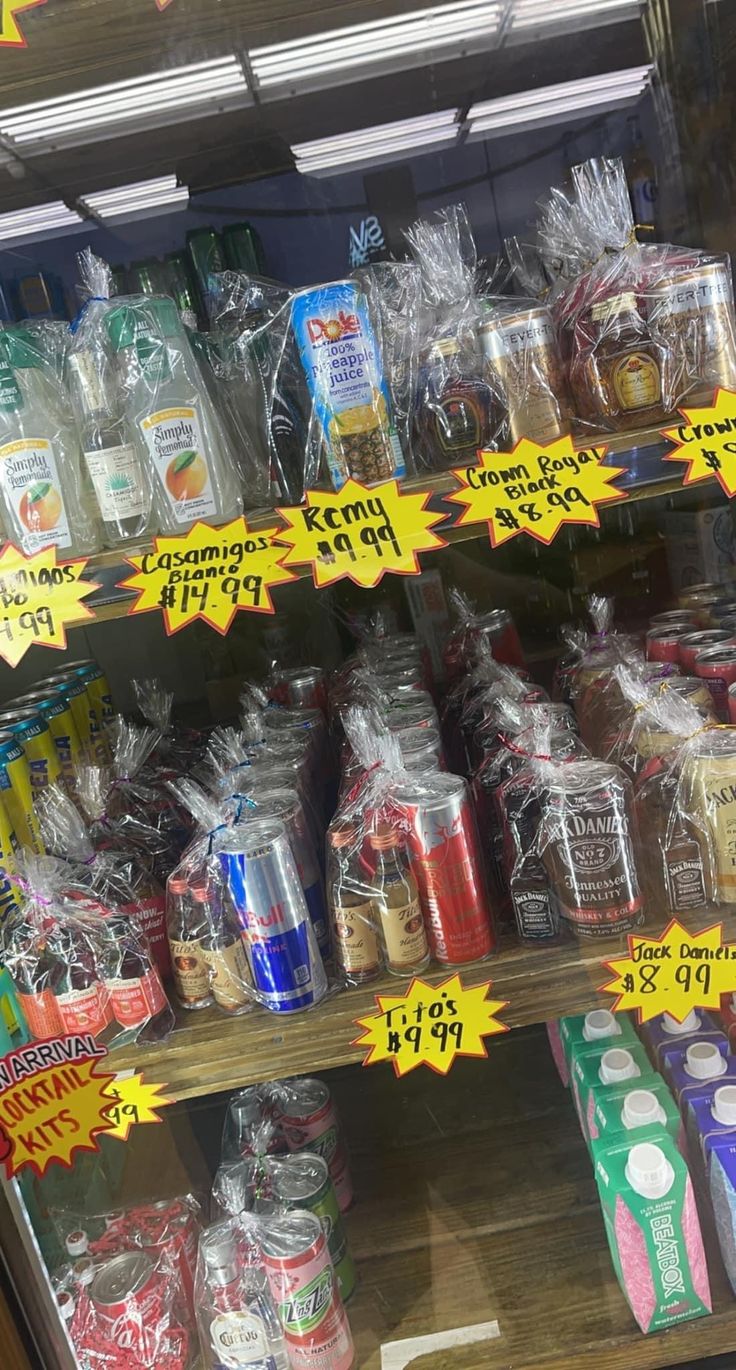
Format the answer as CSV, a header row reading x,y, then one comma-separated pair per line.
x,y
208,1052
476,1203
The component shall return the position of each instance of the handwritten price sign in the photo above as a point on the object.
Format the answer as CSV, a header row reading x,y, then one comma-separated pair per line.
x,y
208,573
360,534
673,973
707,442
39,597
430,1025
535,489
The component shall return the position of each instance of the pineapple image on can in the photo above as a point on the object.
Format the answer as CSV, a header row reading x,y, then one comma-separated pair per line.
x,y
342,365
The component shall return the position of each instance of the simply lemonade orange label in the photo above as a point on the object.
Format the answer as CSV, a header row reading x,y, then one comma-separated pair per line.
x,y
177,452
32,487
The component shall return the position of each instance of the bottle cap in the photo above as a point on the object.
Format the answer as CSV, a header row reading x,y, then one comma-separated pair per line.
x,y
77,1243
689,1024
65,1304
617,1064
704,1061
723,1107
177,884
648,1171
384,838
600,1023
642,1107
84,1271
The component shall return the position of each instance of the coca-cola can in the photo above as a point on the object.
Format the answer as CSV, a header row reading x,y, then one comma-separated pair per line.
x,y
663,642
717,667
693,643
128,1294
438,816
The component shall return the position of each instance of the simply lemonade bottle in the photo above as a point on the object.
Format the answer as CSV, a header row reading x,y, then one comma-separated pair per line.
x,y
43,498
179,434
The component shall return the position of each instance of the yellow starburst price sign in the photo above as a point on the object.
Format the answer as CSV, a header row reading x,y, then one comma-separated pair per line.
x,y
535,489
673,973
11,34
39,597
430,1025
136,1101
360,534
208,574
707,442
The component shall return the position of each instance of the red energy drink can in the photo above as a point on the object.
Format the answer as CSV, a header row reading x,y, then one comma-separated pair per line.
x,y
302,687
499,630
717,667
309,1123
304,1289
693,643
663,642
445,853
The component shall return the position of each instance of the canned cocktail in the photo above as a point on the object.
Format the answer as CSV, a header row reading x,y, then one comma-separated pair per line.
x,y
304,1288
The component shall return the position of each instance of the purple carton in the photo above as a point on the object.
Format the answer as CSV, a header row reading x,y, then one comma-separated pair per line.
x,y
720,1166
664,1037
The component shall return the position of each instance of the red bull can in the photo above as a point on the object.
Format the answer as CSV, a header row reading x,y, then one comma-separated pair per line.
x,y
262,879
438,818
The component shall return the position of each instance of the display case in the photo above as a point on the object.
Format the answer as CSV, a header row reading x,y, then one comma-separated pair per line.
x,y
370,379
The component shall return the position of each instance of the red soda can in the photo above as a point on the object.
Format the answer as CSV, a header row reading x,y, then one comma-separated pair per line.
x,y
717,667
445,855
499,630
663,642
675,618
304,1289
300,687
129,1295
309,1123
693,643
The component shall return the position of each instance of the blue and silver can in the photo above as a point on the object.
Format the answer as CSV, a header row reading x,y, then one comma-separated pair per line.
x,y
264,886
342,365
286,805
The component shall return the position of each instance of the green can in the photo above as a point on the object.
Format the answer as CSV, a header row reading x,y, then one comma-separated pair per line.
x,y
303,1181
204,250
243,249
180,284
148,277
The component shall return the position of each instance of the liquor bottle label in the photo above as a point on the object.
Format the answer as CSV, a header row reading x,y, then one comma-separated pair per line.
x,y
191,975
83,1010
129,1002
178,455
118,482
636,381
685,883
403,933
229,974
151,914
238,1339
30,481
357,944
41,1013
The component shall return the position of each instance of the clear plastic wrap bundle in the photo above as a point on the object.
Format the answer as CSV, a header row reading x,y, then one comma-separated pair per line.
x,y
643,732
393,290
236,1317
460,405
81,965
518,340
180,439
650,327
44,493
120,479
127,1294
706,797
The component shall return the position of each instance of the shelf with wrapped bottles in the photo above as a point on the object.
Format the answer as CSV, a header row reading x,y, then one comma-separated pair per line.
x,y
477,1206
209,1051
647,477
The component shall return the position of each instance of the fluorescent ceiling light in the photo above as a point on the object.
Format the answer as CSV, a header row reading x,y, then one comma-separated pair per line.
x,y
385,142
142,103
554,102
38,221
404,40
536,13
137,200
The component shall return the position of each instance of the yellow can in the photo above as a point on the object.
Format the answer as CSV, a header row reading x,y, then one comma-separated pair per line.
x,y
9,892
16,792
98,688
34,735
56,710
86,710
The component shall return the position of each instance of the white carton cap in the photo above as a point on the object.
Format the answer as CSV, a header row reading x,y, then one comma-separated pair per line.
x,y
689,1024
617,1065
703,1061
723,1107
648,1171
600,1022
641,1107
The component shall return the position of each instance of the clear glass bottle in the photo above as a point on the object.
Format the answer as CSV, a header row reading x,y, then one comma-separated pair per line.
x,y
187,928
396,904
236,1318
43,497
180,437
223,949
354,933
122,487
